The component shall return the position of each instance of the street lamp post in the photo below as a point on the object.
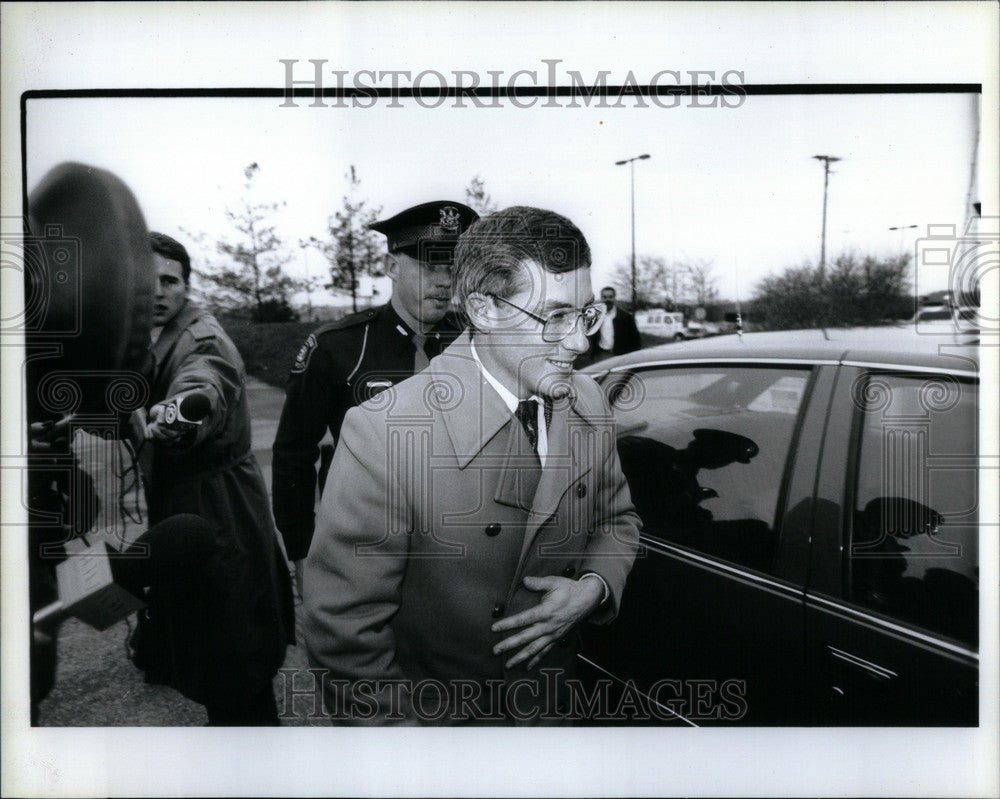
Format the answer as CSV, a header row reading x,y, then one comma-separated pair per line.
x,y
826,159
901,228
631,163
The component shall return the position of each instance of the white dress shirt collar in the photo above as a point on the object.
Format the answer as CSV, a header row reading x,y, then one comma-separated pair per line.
x,y
511,401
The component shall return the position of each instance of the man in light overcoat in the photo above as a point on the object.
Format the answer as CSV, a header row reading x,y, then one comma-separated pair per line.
x,y
476,513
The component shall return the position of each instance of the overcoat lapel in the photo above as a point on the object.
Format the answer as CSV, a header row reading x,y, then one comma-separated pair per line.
x,y
473,422
520,472
567,461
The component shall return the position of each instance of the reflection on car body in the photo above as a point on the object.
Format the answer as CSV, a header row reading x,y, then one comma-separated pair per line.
x,y
809,504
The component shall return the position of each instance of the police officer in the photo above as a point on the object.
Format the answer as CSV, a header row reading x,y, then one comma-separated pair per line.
x,y
346,362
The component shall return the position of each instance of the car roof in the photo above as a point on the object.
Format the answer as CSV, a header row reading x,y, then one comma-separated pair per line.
x,y
891,346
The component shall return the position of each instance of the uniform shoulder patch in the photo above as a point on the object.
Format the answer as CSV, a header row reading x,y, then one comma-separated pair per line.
x,y
305,353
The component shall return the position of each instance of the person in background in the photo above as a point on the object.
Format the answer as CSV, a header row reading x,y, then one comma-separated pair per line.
x,y
618,333
346,362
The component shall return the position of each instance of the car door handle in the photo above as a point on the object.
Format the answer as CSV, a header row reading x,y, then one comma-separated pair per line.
x,y
880,673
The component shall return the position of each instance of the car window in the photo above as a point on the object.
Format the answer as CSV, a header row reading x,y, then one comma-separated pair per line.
x,y
704,450
914,551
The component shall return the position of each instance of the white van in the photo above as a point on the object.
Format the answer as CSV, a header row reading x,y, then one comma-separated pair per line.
x,y
658,322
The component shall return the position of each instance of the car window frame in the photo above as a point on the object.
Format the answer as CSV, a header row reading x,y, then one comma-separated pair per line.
x,y
850,476
813,368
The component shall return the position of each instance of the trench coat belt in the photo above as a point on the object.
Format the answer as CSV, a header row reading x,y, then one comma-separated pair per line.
x,y
213,466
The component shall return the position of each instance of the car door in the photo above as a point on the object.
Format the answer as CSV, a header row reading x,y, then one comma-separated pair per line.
x,y
721,463
892,606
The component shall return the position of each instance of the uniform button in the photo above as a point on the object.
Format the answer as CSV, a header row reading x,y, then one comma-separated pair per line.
x,y
569,571
498,610
492,529
581,490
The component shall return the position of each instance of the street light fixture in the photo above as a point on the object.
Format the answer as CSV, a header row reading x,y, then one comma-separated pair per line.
x,y
826,159
901,228
631,163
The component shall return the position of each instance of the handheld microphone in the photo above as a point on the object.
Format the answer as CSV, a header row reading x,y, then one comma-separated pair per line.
x,y
100,586
186,411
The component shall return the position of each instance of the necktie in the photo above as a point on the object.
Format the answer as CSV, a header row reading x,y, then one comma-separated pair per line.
x,y
527,415
420,359
525,475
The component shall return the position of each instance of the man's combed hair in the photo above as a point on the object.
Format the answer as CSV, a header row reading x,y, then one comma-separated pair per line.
x,y
489,254
173,250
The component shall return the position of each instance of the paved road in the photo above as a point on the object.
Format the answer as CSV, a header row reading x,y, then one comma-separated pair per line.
x,y
96,684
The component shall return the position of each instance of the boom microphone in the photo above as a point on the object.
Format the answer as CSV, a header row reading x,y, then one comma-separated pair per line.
x,y
100,586
89,278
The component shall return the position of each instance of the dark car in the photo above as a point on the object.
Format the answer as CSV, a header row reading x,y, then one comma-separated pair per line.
x,y
810,543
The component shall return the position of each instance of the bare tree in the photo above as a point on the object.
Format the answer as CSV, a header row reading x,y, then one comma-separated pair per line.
x,y
651,280
668,284
477,198
350,248
253,275
701,283
856,290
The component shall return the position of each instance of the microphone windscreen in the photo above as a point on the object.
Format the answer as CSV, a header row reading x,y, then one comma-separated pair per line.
x,y
194,406
178,549
89,274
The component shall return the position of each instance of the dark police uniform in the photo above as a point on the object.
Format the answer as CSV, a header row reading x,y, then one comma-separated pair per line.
x,y
341,365
345,363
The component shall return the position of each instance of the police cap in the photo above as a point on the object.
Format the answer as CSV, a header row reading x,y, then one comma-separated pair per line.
x,y
427,232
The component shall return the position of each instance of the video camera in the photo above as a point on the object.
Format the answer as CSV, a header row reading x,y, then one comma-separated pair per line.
x,y
89,284
101,585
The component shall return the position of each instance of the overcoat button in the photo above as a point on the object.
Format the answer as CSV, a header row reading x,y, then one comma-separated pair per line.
x,y
498,610
569,571
581,490
492,529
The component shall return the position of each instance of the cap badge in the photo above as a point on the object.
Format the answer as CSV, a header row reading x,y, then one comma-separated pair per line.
x,y
449,218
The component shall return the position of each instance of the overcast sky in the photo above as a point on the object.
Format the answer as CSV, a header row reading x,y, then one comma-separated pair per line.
x,y
734,186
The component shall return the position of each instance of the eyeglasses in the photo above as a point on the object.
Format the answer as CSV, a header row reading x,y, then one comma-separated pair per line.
x,y
561,323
